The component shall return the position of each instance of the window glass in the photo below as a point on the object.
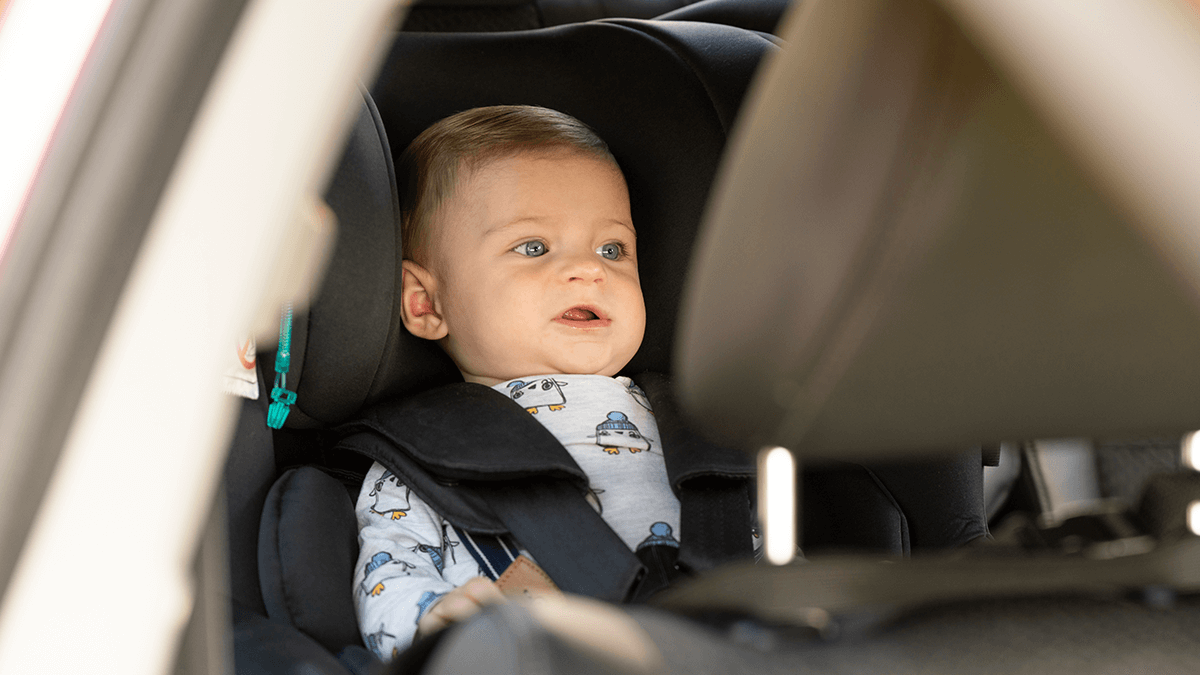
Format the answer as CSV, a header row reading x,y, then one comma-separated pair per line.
x,y
43,46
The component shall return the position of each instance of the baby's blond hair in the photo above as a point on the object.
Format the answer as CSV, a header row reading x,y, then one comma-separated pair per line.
x,y
429,168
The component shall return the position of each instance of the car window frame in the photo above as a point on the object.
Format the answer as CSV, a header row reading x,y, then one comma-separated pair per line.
x,y
173,115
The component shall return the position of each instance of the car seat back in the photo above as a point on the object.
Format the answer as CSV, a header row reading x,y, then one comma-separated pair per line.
x,y
363,197
664,96
443,16
762,16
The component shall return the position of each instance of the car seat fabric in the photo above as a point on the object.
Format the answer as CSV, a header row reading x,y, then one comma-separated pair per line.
x,y
353,320
307,543
845,508
894,507
762,16
558,12
276,543
266,647
509,15
445,16
942,497
249,472
723,60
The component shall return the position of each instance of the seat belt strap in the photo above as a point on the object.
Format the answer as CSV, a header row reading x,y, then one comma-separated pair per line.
x,y
494,553
569,540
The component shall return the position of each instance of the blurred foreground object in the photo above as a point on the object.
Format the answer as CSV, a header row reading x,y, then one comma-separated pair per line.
x,y
954,222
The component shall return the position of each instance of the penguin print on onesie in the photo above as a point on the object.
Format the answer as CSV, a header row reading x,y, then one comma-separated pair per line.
x,y
616,432
391,567
405,567
542,392
391,498
606,424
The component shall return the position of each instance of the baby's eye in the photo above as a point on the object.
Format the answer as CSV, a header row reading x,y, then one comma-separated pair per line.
x,y
612,251
531,248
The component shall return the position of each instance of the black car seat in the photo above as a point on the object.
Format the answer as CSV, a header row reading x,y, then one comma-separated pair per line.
x,y
362,194
762,16
450,16
665,96
506,15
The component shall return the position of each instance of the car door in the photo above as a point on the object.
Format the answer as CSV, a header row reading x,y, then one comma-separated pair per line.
x,y
158,226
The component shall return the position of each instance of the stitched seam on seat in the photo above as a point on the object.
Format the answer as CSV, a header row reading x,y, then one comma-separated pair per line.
x,y
279,588
396,327
905,535
283,571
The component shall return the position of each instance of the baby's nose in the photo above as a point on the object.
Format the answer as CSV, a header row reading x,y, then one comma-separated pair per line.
x,y
585,268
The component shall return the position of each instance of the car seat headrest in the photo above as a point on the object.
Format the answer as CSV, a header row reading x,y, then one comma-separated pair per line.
x,y
663,95
762,16
338,342
969,239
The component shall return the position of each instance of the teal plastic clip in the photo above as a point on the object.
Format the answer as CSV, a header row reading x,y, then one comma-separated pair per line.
x,y
282,399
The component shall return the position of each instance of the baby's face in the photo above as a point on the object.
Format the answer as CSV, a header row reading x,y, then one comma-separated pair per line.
x,y
536,268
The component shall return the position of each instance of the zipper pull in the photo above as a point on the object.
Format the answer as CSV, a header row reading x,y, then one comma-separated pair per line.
x,y
282,398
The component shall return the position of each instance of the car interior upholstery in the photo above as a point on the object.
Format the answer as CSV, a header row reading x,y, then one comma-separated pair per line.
x,y
507,15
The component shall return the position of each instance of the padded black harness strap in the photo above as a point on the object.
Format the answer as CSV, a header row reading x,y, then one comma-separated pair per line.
x,y
570,541
478,444
487,466
711,482
469,432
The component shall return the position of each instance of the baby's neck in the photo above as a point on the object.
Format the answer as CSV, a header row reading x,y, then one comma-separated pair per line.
x,y
489,381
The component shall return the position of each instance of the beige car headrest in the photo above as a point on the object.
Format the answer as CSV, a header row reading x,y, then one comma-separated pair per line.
x,y
944,223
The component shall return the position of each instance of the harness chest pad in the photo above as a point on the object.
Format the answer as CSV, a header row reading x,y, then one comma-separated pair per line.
x,y
488,467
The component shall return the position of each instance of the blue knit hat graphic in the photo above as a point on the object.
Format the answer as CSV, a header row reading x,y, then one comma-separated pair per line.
x,y
378,560
660,535
616,420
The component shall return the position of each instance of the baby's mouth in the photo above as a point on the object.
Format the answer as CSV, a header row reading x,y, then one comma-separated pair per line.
x,y
582,316
579,314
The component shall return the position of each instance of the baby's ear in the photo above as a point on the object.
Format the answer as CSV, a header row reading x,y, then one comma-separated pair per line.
x,y
418,290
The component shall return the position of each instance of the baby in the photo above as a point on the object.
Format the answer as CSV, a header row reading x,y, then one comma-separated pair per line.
x,y
521,262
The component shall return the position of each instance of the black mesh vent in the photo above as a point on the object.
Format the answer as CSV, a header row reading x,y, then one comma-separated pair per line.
x,y
1125,464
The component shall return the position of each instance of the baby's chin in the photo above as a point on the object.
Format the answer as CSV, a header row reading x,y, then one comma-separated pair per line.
x,y
607,368
588,360
604,363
